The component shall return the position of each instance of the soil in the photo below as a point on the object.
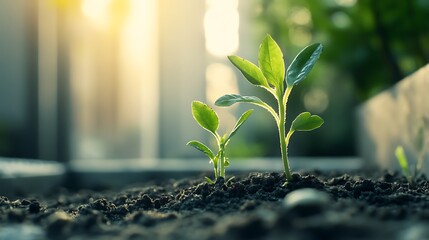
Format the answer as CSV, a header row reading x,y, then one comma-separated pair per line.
x,y
251,206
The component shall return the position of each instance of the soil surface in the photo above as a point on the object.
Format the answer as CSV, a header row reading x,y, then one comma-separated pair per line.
x,y
251,206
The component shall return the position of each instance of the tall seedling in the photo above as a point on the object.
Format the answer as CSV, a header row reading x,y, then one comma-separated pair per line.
x,y
270,75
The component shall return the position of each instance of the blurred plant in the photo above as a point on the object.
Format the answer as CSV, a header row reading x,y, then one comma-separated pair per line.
x,y
208,119
420,145
270,75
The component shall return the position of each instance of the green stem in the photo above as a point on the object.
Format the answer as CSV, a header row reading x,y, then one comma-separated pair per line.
x,y
215,170
282,102
222,162
221,146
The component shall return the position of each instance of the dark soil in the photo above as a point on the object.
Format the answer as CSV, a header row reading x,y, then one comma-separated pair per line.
x,y
247,207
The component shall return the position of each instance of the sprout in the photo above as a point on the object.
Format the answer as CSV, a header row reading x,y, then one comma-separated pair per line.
x,y
208,119
270,75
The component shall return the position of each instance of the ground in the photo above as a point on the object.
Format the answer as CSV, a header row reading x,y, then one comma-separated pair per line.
x,y
250,206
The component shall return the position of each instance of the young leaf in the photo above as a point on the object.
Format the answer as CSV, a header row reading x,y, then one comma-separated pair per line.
x,y
229,99
249,70
271,61
403,161
306,122
205,116
203,148
303,63
240,121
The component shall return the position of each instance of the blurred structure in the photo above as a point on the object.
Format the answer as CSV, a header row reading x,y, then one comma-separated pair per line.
x,y
109,79
396,117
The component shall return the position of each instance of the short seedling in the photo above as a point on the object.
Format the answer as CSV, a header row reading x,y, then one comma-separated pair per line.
x,y
207,118
270,75
420,147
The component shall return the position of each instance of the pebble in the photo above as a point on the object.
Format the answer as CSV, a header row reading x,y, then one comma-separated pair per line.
x,y
306,201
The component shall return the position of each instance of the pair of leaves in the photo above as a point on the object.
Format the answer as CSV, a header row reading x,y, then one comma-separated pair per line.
x,y
271,68
207,118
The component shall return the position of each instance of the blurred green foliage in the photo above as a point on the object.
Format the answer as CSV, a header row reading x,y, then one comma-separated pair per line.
x,y
376,42
369,45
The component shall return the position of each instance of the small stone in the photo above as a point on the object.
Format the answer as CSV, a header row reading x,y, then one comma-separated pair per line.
x,y
58,223
306,201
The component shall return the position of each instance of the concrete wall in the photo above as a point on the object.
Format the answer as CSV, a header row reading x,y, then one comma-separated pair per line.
x,y
393,118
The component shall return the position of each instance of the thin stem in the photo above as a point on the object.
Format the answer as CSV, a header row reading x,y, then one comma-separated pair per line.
x,y
282,100
222,161
215,166
221,146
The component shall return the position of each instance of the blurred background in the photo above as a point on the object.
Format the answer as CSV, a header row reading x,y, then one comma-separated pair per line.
x,y
114,79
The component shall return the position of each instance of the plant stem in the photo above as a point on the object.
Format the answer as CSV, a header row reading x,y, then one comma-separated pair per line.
x,y
222,161
283,145
215,170
282,102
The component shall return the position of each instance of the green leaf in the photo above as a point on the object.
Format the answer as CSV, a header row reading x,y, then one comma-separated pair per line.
x,y
229,99
203,148
306,122
303,63
249,70
403,161
205,116
240,122
271,61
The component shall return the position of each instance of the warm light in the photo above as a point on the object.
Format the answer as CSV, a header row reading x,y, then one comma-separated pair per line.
x,y
97,11
316,101
301,16
221,23
300,36
220,80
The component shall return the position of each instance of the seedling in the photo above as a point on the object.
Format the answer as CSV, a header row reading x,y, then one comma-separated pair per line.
x,y
420,147
270,75
403,163
207,118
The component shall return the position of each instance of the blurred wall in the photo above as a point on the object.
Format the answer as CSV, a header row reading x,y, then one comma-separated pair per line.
x,y
18,74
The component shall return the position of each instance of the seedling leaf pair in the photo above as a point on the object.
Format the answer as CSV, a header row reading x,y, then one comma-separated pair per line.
x,y
207,118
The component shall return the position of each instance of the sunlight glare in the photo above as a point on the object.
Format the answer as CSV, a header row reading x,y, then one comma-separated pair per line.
x,y
97,11
221,23
220,80
316,100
